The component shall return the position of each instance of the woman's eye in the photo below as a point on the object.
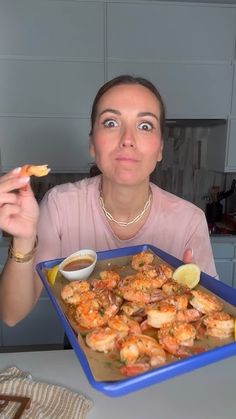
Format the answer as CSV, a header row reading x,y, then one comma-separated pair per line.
x,y
110,123
146,126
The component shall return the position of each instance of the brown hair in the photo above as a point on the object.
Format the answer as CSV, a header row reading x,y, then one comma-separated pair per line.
x,y
128,79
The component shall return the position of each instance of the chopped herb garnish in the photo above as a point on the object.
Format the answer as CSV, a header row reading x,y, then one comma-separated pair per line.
x,y
101,312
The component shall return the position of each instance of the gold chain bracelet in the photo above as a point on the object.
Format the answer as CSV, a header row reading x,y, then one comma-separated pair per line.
x,y
20,257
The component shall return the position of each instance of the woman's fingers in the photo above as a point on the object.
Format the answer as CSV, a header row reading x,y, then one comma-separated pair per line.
x,y
18,207
9,175
188,256
7,198
13,180
7,214
9,210
9,183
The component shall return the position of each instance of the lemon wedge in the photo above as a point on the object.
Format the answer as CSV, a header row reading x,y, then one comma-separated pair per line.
x,y
51,274
187,275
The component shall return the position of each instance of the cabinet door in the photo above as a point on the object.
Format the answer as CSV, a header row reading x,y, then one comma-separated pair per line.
x,y
52,63
224,269
230,157
224,257
62,143
3,251
183,49
222,250
233,110
40,327
176,32
234,275
188,90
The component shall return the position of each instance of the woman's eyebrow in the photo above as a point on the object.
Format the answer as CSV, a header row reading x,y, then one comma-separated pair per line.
x,y
116,112
148,114
110,110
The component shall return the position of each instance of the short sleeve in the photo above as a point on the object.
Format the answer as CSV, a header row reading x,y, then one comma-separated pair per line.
x,y
199,241
49,246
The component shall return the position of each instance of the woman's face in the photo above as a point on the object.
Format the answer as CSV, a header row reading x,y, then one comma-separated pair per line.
x,y
126,141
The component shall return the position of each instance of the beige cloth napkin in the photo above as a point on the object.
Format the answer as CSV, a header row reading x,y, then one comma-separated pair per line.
x,y
48,401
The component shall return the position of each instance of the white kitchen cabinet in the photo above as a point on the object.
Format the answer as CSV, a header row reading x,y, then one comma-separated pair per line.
x,y
41,327
4,243
224,251
184,49
181,32
221,147
222,150
62,143
54,55
230,151
233,109
177,83
51,65
229,156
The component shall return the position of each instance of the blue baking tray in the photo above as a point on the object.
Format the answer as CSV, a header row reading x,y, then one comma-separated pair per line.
x,y
157,375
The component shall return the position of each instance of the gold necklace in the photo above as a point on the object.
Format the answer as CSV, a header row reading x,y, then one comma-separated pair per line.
x,y
123,223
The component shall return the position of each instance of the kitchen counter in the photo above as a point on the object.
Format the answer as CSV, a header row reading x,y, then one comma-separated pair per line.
x,y
206,393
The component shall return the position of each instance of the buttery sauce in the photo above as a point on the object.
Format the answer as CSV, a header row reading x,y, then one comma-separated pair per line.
x,y
76,264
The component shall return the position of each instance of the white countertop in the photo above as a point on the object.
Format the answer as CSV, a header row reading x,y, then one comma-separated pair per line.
x,y
206,393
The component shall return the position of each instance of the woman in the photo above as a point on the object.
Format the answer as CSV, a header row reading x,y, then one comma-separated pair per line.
x,y
118,208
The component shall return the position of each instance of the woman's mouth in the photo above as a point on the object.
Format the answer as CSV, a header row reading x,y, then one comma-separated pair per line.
x,y
126,159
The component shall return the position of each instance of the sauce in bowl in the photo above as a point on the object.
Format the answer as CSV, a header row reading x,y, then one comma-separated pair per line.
x,y
76,264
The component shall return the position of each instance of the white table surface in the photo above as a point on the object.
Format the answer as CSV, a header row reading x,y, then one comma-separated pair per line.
x,y
206,393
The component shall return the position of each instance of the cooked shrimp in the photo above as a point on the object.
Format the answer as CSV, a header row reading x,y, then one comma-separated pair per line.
x,y
156,280
176,336
149,270
156,277
71,293
131,308
179,301
95,312
173,288
205,302
124,325
102,339
140,290
29,170
219,324
134,369
158,274
136,347
166,270
188,315
108,279
161,314
106,297
142,259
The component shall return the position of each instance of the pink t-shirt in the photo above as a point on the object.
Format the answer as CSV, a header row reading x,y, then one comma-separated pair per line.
x,y
71,218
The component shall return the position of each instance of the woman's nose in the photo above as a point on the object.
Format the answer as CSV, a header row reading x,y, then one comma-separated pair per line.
x,y
127,138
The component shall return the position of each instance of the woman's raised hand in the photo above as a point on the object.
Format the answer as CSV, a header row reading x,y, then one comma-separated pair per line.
x,y
19,209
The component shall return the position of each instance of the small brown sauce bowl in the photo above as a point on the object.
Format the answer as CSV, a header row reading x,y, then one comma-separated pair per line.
x,y
78,265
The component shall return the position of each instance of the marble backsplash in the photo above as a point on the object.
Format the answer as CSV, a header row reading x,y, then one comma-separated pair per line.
x,y
183,170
